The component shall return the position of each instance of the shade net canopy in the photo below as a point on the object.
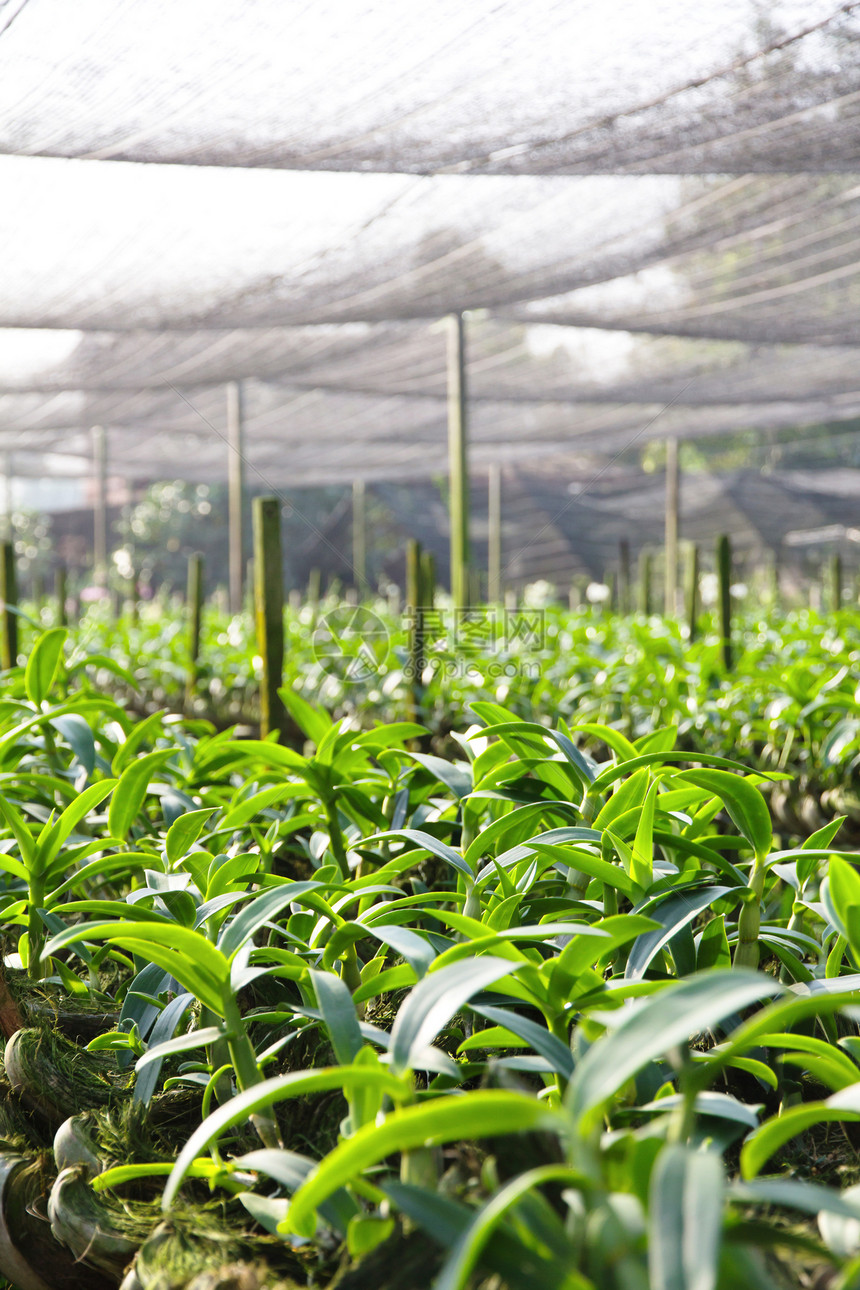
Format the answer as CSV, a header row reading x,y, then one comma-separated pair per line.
x,y
543,87
649,213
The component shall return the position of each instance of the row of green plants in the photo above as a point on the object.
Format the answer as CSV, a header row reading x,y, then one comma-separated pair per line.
x,y
561,1007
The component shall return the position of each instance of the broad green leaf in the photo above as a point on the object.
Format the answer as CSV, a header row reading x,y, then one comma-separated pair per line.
x,y
671,1017
43,663
258,912
338,1013
761,1145
685,1219
673,913
433,1002
313,722
184,832
444,1119
467,1249
427,843
278,1089
131,790
743,802
642,863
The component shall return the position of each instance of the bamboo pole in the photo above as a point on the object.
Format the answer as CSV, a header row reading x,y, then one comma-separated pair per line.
x,y
624,577
724,574
269,610
235,493
836,581
645,582
359,536
194,603
671,542
693,591
416,629
61,592
428,579
6,526
100,565
8,606
494,535
458,461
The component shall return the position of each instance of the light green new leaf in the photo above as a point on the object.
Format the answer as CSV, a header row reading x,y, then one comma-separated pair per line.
x,y
743,802
761,1145
184,832
43,664
434,1001
260,910
685,1219
642,863
669,1018
338,1013
131,790
278,1089
444,1119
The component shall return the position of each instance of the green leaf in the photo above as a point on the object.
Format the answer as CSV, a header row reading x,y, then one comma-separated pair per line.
x,y
642,864
43,663
673,913
467,1249
277,1089
761,1145
433,1002
685,1219
444,1119
338,1013
184,832
743,802
258,912
314,722
131,790
667,1019
427,843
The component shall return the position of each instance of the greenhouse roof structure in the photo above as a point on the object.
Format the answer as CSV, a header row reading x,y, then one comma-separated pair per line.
x,y
649,214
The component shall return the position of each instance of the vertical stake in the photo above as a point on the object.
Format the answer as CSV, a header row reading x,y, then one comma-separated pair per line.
x,y
269,610
671,544
693,591
414,589
428,579
359,536
458,461
645,605
494,535
724,574
194,603
6,467
61,591
100,569
235,493
9,603
836,583
624,577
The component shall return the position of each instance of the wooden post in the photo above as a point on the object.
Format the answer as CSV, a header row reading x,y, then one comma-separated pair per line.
x,y
836,582
693,591
428,579
416,630
724,574
494,535
8,606
269,610
194,605
100,565
359,536
458,461
671,544
235,493
645,605
61,591
624,577
6,526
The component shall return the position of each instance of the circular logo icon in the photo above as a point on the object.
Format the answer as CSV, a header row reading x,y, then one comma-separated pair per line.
x,y
350,642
